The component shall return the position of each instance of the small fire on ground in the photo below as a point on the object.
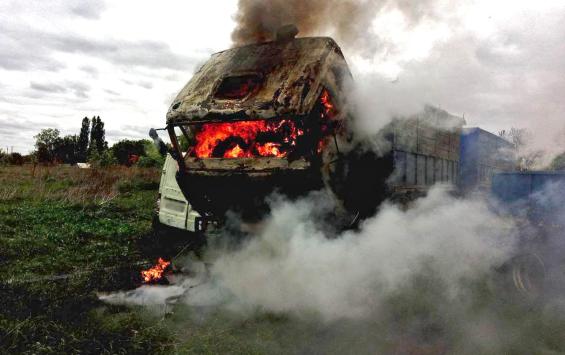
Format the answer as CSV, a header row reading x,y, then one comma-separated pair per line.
x,y
155,273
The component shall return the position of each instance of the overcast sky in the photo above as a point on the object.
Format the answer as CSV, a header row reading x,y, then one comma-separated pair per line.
x,y
499,63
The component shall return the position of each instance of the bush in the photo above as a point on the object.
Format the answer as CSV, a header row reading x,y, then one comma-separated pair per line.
x,y
149,162
16,159
125,149
11,159
152,158
104,159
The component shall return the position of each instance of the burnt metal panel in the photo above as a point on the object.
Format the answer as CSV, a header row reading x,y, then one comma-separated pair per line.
x,y
245,164
291,75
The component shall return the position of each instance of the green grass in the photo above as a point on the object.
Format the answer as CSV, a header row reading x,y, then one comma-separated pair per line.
x,y
91,227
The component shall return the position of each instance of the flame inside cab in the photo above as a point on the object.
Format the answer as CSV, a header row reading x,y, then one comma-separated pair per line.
x,y
261,138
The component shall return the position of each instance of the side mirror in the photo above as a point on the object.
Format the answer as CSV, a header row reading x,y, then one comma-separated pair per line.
x,y
158,142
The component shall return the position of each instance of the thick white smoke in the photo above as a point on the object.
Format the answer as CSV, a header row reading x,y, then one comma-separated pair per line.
x,y
294,266
423,277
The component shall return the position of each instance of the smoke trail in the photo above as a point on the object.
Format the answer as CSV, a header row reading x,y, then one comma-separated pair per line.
x,y
348,21
293,265
257,21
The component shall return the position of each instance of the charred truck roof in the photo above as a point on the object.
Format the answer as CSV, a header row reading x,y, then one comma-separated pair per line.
x,y
262,80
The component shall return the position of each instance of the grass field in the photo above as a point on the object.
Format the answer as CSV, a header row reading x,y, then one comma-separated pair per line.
x,y
67,233
91,226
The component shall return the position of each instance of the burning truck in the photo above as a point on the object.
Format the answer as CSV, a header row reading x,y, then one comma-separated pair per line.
x,y
272,117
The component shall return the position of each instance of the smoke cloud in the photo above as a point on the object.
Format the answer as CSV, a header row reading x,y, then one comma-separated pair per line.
x,y
347,21
294,264
426,277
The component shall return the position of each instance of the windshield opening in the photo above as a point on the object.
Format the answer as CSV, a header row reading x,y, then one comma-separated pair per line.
x,y
275,138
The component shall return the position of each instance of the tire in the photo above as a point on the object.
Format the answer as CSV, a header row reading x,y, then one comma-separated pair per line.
x,y
528,272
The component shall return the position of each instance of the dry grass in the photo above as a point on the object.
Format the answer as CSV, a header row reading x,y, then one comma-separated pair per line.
x,y
71,184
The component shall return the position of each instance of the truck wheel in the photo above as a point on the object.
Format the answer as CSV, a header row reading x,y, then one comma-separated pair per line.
x,y
528,274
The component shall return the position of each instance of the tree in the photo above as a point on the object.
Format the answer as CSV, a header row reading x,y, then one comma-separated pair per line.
x,y
526,158
83,139
92,144
67,149
516,136
45,144
125,149
97,136
106,158
15,159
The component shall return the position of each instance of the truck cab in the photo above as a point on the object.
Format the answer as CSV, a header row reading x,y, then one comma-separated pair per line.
x,y
257,119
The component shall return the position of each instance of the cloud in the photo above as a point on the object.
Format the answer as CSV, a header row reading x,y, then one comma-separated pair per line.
x,y
88,9
19,53
9,126
129,132
150,54
141,83
112,92
48,87
17,131
79,89
28,48
93,71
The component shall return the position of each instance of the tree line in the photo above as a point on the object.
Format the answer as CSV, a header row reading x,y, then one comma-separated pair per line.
x,y
50,147
90,146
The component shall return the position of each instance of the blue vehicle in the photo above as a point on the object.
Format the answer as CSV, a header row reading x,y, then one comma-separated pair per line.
x,y
535,199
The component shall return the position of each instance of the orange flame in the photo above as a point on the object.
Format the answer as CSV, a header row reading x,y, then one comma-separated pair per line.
x,y
155,273
245,139
329,109
257,138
